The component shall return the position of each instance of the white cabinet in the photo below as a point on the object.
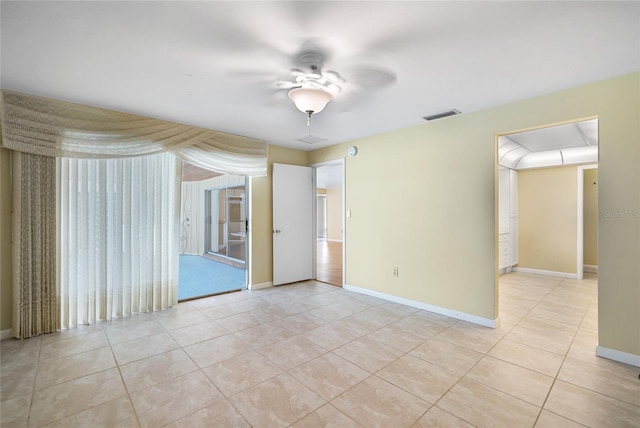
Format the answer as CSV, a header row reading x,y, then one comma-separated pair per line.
x,y
504,259
504,205
507,219
513,216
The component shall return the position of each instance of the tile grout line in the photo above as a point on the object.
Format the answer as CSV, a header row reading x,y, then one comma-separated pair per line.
x,y
549,293
486,354
564,357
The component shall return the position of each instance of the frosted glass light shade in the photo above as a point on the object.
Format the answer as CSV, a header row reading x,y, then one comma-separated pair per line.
x,y
310,99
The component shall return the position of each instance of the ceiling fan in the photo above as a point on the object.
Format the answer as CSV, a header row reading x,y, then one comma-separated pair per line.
x,y
315,77
311,86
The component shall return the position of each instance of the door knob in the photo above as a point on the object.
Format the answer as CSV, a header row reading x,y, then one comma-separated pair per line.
x,y
276,231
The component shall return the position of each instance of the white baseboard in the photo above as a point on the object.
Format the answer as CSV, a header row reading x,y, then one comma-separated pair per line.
x,y
546,272
590,268
474,319
260,286
6,334
619,356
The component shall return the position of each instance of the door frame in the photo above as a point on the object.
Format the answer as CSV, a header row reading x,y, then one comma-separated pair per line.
x,y
249,235
315,166
580,196
580,231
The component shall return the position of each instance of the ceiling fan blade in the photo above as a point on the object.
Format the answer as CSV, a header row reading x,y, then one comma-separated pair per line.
x,y
277,98
370,77
350,100
247,73
285,84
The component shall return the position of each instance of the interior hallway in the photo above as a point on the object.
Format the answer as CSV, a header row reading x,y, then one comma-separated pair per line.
x,y
312,354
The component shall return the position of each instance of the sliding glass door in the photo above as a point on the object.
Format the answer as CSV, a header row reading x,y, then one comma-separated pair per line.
x,y
225,222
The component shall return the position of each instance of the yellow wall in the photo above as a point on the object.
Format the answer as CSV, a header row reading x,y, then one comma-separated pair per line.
x,y
261,221
334,214
436,220
439,225
547,218
590,217
619,212
6,293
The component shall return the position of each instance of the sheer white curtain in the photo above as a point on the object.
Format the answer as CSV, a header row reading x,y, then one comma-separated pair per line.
x,y
117,236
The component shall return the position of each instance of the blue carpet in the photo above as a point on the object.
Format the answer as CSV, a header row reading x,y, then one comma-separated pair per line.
x,y
200,276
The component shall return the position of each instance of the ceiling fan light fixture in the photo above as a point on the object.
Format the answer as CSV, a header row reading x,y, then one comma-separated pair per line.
x,y
310,99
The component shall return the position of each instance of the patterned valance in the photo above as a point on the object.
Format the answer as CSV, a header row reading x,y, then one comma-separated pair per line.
x,y
55,128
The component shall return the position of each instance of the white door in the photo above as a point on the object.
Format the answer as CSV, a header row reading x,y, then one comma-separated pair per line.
x,y
293,231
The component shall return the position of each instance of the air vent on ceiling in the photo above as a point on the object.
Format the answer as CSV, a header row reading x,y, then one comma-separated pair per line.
x,y
441,115
311,139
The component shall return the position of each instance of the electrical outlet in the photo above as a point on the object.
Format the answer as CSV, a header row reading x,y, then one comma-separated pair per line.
x,y
395,271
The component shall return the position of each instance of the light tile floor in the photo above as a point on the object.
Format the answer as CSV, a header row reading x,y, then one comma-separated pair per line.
x,y
311,354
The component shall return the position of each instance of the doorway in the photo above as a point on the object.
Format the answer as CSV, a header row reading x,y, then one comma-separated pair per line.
x,y
329,221
213,233
542,170
226,224
545,222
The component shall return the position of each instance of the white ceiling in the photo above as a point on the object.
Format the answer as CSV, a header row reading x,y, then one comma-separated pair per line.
x,y
214,64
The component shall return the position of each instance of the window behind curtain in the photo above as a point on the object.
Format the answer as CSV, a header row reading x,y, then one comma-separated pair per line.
x,y
118,236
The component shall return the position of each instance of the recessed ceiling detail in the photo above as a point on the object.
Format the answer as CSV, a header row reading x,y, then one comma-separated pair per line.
x,y
573,143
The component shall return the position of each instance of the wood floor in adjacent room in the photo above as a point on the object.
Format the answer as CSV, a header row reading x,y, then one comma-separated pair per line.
x,y
329,263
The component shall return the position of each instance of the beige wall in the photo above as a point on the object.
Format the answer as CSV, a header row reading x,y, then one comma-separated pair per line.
x,y
442,174
547,218
590,217
6,294
437,222
619,212
443,177
334,214
261,221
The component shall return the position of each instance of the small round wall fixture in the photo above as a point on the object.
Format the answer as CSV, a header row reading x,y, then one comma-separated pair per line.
x,y
353,150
